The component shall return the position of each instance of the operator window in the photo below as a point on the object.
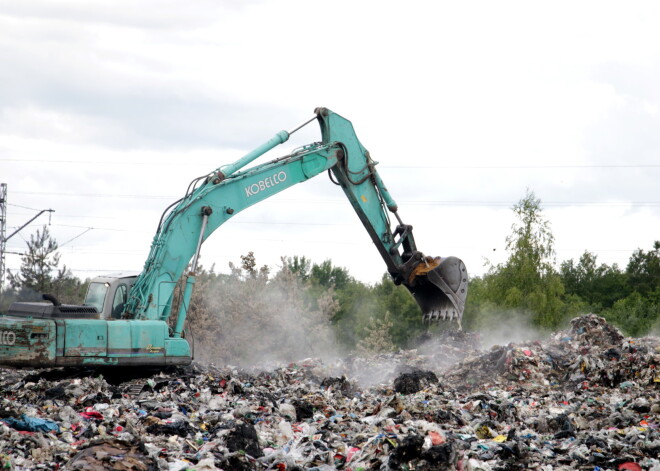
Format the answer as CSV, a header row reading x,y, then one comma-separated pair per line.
x,y
96,295
119,301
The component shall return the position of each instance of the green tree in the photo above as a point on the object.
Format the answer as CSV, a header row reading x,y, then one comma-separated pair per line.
x,y
377,338
67,288
635,315
361,307
600,286
527,281
479,308
644,270
39,268
327,275
249,267
639,312
300,266
405,316
356,305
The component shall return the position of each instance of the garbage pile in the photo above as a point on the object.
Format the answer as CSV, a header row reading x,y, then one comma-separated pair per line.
x,y
590,353
586,398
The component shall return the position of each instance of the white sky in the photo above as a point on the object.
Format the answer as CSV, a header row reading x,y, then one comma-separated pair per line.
x,y
108,109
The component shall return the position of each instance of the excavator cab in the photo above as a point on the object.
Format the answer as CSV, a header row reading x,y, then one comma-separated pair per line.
x,y
109,294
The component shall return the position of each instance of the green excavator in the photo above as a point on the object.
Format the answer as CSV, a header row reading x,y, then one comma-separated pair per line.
x,y
125,320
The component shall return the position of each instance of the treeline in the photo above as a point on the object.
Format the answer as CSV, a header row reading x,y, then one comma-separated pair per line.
x,y
627,297
529,287
40,272
302,309
302,306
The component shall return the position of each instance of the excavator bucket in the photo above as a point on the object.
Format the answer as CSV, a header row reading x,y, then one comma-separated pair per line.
x,y
439,286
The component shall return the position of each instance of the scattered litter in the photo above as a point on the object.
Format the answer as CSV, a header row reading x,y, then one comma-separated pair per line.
x,y
113,455
585,398
31,424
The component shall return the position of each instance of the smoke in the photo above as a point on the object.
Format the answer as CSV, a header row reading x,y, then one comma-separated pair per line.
x,y
442,347
509,326
655,329
376,369
253,321
256,322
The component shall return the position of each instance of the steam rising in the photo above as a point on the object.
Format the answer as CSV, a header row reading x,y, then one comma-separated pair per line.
x,y
254,321
509,327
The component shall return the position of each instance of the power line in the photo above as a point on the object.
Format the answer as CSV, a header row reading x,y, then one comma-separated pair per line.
x,y
342,201
516,167
24,207
421,167
19,213
74,238
472,204
544,203
114,229
284,223
92,162
94,195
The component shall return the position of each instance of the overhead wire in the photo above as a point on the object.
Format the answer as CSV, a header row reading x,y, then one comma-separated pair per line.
x,y
468,167
23,207
407,202
193,185
74,238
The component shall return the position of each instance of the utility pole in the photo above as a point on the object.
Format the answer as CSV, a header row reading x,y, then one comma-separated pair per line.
x,y
3,227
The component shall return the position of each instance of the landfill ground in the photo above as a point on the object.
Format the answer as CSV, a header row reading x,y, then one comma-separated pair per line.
x,y
585,398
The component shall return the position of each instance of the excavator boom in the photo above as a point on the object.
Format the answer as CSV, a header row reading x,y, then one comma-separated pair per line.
x,y
126,320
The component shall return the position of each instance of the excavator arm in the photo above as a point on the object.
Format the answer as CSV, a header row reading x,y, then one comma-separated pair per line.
x,y
438,285
100,332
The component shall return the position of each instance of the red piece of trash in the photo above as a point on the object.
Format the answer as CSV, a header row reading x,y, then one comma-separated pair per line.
x,y
92,415
351,453
436,438
629,466
527,352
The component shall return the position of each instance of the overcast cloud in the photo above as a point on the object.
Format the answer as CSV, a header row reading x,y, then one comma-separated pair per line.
x,y
109,109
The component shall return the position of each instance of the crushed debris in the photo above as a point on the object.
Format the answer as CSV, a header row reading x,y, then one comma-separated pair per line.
x,y
414,381
585,398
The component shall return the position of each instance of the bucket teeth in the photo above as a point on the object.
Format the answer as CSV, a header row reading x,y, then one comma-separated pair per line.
x,y
441,290
442,314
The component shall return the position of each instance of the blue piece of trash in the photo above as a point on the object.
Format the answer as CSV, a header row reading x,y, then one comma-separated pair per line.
x,y
32,424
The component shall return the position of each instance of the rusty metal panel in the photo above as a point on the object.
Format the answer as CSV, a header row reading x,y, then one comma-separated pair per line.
x,y
85,337
27,342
